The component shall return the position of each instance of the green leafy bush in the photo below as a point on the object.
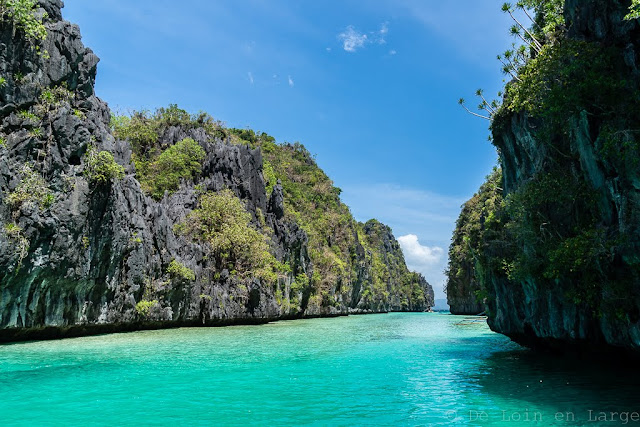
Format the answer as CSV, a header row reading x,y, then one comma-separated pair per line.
x,y
178,162
269,175
32,191
28,116
634,10
21,244
180,271
251,138
101,168
22,14
222,222
139,130
143,129
300,284
51,99
144,307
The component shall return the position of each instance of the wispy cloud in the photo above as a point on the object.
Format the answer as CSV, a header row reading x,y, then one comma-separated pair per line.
x,y
480,21
382,33
392,52
291,83
249,46
352,39
425,219
250,77
406,205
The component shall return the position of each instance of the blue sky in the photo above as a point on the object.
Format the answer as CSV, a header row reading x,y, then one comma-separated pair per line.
x,y
369,86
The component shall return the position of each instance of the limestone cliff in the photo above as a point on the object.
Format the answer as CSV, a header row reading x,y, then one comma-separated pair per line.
x,y
465,293
562,269
87,247
385,260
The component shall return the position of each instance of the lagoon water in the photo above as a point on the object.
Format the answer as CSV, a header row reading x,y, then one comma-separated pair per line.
x,y
386,369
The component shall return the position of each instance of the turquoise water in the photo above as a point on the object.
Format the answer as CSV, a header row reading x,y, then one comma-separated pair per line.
x,y
388,369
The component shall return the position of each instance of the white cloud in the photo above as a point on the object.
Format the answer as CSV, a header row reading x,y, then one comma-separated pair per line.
x,y
409,211
418,256
428,260
392,52
290,82
384,29
352,40
328,49
250,76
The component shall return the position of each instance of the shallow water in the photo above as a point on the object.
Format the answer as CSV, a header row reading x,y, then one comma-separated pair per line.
x,y
389,369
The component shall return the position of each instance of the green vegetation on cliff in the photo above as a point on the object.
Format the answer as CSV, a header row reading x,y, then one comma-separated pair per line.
x,y
180,161
311,200
383,253
161,169
31,192
474,246
567,135
634,10
22,15
335,237
222,222
348,258
101,168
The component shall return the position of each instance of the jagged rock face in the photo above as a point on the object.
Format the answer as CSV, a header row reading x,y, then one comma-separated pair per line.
x,y
462,287
95,251
599,20
533,311
408,291
428,294
465,293
466,303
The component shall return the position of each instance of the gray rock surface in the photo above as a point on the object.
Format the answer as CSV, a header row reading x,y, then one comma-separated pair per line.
x,y
98,250
530,311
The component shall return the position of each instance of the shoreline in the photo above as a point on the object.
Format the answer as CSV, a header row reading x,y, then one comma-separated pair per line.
x,y
11,336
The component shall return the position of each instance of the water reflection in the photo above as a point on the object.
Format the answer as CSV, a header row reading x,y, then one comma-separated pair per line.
x,y
528,383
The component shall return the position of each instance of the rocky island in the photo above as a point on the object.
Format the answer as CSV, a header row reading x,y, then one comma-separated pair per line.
x,y
549,245
112,223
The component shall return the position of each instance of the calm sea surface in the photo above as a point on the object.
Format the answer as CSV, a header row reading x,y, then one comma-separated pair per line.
x,y
387,369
